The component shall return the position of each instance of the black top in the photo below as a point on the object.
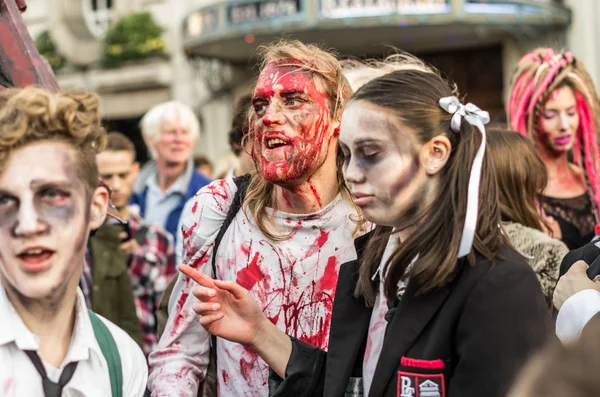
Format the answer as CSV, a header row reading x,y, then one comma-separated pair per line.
x,y
575,216
467,339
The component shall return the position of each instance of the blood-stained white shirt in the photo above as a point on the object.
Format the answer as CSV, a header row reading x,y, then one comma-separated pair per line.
x,y
293,280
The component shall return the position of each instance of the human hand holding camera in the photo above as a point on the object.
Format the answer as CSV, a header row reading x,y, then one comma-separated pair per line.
x,y
574,281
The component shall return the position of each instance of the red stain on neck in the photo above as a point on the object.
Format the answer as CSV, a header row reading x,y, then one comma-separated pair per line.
x,y
315,194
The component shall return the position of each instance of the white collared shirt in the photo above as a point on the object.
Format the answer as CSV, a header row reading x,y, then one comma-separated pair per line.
x,y
575,314
160,204
378,323
19,378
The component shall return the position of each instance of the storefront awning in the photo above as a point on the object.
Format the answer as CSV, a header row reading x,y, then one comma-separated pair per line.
x,y
231,30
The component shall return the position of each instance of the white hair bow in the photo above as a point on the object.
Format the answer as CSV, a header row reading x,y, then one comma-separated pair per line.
x,y
477,118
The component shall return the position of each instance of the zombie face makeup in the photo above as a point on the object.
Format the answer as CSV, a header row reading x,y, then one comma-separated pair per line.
x,y
559,121
381,164
292,128
44,220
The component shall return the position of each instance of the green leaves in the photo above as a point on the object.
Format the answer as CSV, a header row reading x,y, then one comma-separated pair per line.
x,y
133,37
47,49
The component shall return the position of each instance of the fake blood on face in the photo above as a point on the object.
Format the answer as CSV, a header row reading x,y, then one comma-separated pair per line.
x,y
293,112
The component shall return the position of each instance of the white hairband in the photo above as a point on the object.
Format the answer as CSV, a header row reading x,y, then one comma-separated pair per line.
x,y
477,118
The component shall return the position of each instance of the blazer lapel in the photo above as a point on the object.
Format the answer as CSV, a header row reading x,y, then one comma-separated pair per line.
x,y
411,317
349,324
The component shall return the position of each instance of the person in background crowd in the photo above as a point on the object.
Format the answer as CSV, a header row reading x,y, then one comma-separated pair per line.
x,y
105,282
288,239
50,200
162,187
203,166
240,163
438,303
237,138
522,177
563,370
149,248
553,101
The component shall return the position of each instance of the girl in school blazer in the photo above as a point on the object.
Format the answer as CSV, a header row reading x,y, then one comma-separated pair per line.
x,y
438,303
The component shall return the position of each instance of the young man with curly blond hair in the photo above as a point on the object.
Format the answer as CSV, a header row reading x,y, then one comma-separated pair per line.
x,y
50,200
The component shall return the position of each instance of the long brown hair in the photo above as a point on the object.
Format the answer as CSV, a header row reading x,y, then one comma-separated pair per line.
x,y
413,97
324,66
521,175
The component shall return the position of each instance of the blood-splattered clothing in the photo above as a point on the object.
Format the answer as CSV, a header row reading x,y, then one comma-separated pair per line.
x,y
293,280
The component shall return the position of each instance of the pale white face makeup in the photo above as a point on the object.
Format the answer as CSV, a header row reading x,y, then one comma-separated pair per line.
x,y
45,218
381,166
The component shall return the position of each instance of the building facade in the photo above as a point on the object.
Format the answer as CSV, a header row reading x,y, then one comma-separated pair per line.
x,y
78,29
211,46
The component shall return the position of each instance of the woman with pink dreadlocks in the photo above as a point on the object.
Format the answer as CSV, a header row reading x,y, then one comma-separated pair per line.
x,y
553,101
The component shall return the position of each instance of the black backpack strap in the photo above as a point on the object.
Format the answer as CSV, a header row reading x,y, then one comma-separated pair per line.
x,y
242,183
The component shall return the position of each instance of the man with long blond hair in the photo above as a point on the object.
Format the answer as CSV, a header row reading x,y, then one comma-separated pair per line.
x,y
294,229
50,201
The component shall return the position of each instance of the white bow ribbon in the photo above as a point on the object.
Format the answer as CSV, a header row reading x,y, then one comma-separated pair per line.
x,y
478,118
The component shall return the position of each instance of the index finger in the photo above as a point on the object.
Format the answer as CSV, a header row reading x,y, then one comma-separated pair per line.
x,y
197,276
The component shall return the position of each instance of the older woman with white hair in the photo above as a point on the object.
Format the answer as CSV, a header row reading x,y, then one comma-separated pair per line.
x,y
170,131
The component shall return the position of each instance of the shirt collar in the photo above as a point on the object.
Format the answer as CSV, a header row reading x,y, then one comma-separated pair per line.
x,y
179,186
14,330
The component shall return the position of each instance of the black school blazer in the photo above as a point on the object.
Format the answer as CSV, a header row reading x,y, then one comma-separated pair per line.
x,y
467,339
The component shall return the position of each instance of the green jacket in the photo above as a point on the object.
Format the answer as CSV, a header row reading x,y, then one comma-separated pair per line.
x,y
112,295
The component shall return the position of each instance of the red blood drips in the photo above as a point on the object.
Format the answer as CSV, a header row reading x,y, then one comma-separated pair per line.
x,y
180,314
200,260
252,274
305,126
316,194
225,376
187,233
318,244
171,351
330,275
218,189
183,372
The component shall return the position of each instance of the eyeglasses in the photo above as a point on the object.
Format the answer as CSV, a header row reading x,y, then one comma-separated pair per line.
x,y
112,211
